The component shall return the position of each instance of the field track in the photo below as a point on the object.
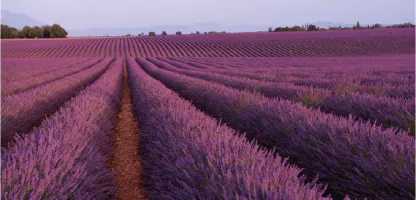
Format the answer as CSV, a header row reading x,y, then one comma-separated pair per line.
x,y
125,156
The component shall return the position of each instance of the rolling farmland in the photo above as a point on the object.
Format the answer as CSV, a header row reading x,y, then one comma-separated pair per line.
x,y
295,115
322,44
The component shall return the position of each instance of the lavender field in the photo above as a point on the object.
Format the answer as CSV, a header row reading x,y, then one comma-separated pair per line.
x,y
296,115
289,44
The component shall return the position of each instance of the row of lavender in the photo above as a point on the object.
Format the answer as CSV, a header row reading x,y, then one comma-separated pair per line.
x,y
321,44
187,155
22,111
255,63
354,158
65,157
14,69
325,73
390,76
386,111
39,75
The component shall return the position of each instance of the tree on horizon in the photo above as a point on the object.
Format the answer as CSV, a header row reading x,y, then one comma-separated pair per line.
x,y
357,25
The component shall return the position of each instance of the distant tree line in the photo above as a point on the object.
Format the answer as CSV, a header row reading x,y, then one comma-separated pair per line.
x,y
164,33
405,25
214,32
306,27
357,26
46,31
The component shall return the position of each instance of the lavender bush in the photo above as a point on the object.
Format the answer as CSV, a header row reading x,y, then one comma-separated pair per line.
x,y
21,68
12,87
65,157
356,159
383,110
21,111
187,155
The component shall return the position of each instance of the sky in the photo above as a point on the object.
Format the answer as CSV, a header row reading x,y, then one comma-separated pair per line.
x,y
81,14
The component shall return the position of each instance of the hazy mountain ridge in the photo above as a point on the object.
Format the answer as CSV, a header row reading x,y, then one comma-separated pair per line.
x,y
170,29
18,20
327,24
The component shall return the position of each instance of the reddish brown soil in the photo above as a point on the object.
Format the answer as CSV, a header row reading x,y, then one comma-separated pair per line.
x,y
125,161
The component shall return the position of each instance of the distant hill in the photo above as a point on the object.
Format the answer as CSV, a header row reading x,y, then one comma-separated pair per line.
x,y
327,24
170,29
18,20
187,29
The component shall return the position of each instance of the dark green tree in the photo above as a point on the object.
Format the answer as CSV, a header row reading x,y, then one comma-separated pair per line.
x,y
57,31
14,32
197,32
296,28
6,32
357,26
152,34
278,29
25,32
36,32
178,33
46,31
312,27
164,33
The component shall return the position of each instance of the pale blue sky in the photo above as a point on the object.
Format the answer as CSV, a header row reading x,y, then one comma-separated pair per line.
x,y
79,14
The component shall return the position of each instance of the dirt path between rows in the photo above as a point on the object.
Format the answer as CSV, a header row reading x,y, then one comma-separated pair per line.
x,y
125,159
